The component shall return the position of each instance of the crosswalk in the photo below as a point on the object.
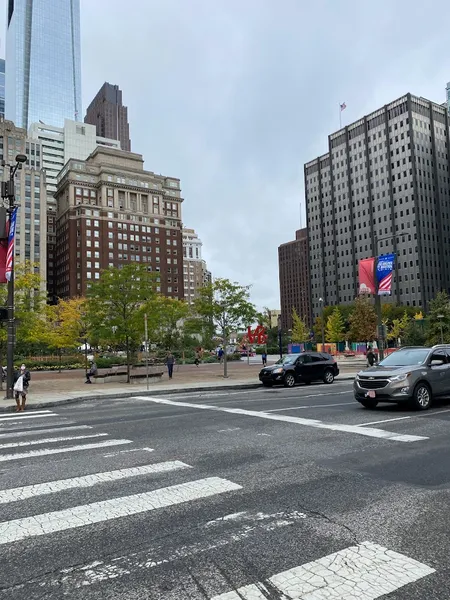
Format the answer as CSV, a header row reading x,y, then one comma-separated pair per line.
x,y
39,506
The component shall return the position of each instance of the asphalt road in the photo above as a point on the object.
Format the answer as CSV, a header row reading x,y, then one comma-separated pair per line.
x,y
256,494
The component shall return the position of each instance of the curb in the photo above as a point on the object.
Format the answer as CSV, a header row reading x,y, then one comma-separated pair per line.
x,y
112,396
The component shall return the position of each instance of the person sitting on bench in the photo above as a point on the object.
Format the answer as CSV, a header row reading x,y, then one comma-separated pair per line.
x,y
92,372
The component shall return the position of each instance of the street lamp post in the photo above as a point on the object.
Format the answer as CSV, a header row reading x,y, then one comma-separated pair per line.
x,y
440,317
8,193
323,323
380,328
280,339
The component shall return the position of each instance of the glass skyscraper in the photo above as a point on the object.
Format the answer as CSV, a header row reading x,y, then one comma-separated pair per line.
x,y
2,87
43,71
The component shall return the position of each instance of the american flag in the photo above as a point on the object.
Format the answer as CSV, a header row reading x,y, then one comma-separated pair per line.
x,y
10,252
343,106
384,287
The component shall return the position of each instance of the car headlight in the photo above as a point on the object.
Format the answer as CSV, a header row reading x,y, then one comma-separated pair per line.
x,y
277,371
401,377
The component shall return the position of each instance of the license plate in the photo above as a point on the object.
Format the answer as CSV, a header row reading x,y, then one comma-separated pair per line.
x,y
371,394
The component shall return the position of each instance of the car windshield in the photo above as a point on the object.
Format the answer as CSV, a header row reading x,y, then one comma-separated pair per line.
x,y
286,360
406,357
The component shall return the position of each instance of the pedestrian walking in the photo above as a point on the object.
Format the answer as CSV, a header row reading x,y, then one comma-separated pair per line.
x,y
170,361
92,372
197,358
370,355
220,355
21,384
264,359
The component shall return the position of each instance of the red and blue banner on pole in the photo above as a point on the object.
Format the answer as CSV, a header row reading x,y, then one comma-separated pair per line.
x,y
366,268
375,275
385,267
10,251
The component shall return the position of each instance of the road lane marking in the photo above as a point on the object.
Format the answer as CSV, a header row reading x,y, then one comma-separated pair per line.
x,y
366,571
30,432
50,440
46,451
368,432
383,421
310,406
228,430
126,452
16,418
107,510
51,487
227,530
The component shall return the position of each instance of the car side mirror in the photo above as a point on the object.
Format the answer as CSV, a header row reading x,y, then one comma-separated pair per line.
x,y
436,363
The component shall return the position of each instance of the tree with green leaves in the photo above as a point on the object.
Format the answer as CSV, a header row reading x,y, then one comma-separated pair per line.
x,y
414,333
299,329
166,321
227,306
438,321
363,321
335,327
116,306
398,327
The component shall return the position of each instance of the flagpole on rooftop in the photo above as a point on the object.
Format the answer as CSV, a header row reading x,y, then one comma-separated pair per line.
x,y
340,116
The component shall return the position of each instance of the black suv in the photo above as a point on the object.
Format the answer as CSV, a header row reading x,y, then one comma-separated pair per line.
x,y
304,367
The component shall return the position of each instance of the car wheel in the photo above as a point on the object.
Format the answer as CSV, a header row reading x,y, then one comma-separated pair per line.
x,y
422,396
328,376
267,384
368,403
289,380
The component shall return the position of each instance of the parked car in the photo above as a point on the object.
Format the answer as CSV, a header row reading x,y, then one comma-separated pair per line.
x,y
305,367
411,374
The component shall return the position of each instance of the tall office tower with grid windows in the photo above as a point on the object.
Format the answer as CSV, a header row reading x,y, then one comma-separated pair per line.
x,y
382,187
43,71
109,115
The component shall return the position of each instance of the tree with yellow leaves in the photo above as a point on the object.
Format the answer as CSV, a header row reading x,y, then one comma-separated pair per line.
x,y
60,326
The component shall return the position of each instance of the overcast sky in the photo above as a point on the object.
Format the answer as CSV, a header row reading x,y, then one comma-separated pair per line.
x,y
234,96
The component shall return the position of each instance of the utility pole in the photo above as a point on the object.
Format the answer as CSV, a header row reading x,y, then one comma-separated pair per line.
x,y
323,323
8,193
146,347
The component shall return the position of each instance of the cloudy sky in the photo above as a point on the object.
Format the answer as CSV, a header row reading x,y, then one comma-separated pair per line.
x,y
234,96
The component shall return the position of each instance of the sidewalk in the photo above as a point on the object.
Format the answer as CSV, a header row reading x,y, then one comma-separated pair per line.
x,y
50,389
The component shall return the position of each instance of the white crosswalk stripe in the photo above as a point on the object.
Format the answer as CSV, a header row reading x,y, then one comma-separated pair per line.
x,y
50,487
366,571
88,514
50,440
47,451
30,432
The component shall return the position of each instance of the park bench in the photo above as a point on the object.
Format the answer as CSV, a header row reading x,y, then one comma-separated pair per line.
x,y
119,374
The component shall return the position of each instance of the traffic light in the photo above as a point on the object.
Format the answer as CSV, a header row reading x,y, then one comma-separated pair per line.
x,y
3,314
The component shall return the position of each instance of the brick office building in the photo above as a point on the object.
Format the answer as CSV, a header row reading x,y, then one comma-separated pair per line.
x,y
293,263
110,212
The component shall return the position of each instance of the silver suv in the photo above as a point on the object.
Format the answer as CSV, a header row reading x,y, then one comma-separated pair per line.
x,y
410,374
